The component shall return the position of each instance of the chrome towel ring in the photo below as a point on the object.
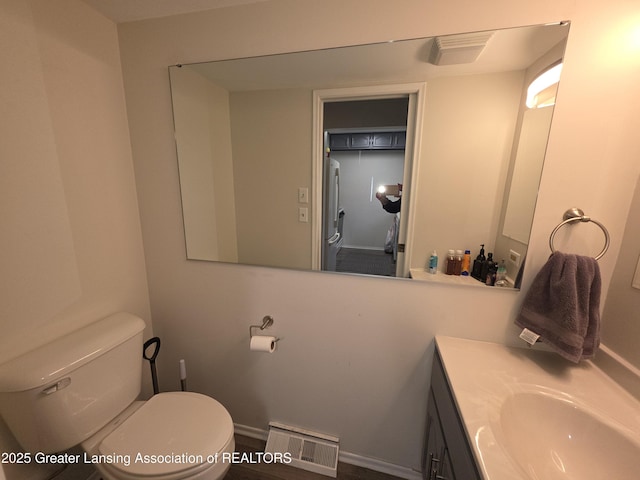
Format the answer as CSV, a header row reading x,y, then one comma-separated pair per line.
x,y
577,215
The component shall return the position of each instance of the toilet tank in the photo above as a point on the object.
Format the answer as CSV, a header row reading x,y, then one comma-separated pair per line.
x,y
61,393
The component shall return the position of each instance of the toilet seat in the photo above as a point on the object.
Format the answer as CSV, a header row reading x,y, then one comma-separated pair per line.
x,y
172,435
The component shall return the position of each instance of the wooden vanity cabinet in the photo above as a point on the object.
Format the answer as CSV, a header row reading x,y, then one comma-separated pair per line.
x,y
447,454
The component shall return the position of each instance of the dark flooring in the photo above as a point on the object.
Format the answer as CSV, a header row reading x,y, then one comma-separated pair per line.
x,y
368,262
277,471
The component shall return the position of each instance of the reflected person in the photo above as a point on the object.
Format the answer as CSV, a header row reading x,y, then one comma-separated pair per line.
x,y
391,206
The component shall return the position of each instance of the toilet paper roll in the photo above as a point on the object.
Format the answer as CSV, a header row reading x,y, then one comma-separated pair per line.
x,y
261,343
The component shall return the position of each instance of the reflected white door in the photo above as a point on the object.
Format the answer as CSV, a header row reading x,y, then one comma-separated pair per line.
x,y
331,196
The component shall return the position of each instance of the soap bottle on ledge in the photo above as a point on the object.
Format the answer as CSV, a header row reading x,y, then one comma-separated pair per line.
x,y
478,263
433,263
450,263
457,265
466,262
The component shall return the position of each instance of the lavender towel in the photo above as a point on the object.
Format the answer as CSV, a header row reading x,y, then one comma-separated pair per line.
x,y
563,306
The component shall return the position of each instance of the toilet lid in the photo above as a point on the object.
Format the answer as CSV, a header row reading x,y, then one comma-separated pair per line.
x,y
172,432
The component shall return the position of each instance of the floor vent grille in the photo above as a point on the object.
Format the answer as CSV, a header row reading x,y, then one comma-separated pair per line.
x,y
310,451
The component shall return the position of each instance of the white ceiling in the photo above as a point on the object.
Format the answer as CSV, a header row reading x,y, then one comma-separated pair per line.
x,y
509,49
130,10
405,61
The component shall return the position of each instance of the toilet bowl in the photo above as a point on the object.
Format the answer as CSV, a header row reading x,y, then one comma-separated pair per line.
x,y
173,435
82,389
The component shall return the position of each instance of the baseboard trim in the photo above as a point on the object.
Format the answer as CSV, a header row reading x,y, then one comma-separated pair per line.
x,y
379,466
346,457
251,432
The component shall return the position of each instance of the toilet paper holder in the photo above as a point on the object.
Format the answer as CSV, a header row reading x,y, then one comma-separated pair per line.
x,y
267,321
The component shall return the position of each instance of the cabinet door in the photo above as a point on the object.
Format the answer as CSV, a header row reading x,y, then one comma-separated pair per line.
x,y
436,464
360,140
446,470
400,139
382,140
339,141
457,461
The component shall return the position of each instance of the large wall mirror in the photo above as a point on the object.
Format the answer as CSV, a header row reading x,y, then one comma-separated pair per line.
x,y
281,157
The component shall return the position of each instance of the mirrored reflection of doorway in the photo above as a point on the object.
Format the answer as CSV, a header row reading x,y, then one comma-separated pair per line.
x,y
364,145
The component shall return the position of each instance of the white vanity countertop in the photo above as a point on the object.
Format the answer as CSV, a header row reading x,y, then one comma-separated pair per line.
x,y
421,275
481,375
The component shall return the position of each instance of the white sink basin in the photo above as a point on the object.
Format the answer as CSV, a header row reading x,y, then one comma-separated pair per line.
x,y
531,415
551,437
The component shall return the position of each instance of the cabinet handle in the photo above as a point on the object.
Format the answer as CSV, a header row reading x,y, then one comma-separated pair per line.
x,y
441,468
433,468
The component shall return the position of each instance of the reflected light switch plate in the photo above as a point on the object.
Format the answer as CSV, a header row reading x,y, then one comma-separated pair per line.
x,y
514,257
303,214
635,283
303,195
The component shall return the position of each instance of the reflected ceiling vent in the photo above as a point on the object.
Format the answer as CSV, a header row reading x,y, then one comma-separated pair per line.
x,y
455,49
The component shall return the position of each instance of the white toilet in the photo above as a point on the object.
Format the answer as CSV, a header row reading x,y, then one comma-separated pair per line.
x,y
82,389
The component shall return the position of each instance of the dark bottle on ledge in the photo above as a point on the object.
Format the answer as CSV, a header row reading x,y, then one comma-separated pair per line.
x,y
492,271
485,267
478,264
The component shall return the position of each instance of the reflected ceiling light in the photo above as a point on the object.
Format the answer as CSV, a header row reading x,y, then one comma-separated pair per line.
x,y
542,91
